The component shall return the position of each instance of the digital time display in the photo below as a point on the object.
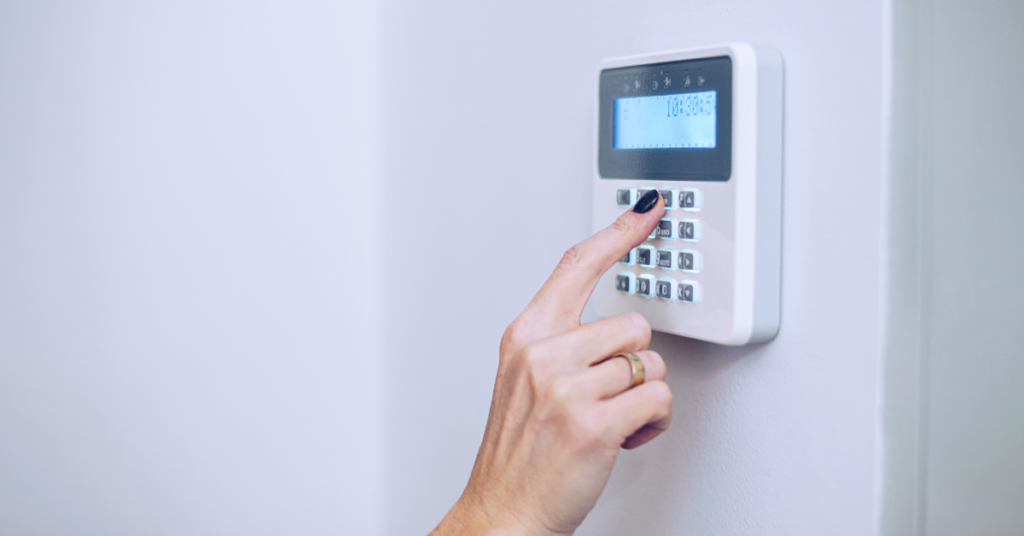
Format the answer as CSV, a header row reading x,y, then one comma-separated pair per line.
x,y
680,121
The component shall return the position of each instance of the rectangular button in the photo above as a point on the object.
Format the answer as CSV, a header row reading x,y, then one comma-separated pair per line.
x,y
645,256
689,261
689,292
625,282
645,285
690,199
689,230
685,261
664,289
666,229
666,259
625,196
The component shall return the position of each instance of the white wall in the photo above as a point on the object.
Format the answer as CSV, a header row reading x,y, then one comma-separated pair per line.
x,y
488,151
974,467
186,345
193,342
953,397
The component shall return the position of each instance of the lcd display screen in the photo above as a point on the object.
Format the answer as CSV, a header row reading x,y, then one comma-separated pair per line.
x,y
679,121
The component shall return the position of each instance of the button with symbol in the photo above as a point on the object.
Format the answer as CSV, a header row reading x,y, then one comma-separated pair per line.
x,y
691,199
645,285
666,259
689,292
666,229
689,261
689,230
665,288
625,282
645,256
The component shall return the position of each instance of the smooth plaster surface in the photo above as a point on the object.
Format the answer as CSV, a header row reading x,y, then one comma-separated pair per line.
x,y
184,334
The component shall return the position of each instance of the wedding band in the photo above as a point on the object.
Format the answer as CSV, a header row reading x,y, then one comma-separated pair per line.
x,y
637,367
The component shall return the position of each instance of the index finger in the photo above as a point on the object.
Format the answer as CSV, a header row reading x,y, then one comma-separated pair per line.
x,y
561,300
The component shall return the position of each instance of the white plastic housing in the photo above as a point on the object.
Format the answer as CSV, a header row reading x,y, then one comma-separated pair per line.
x,y
740,218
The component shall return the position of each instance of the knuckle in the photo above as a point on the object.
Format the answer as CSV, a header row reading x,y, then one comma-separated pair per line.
x,y
561,391
657,365
573,257
640,326
661,393
532,356
624,225
514,336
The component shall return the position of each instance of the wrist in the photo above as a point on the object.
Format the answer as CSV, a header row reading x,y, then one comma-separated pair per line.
x,y
463,519
466,518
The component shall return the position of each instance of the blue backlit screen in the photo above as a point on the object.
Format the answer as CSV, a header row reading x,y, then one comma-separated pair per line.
x,y
681,121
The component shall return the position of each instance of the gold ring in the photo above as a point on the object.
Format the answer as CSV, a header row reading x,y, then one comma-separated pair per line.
x,y
637,367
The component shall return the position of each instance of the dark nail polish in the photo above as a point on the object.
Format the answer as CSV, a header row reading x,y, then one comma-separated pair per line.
x,y
647,202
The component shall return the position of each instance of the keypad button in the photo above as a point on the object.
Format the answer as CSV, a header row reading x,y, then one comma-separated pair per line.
x,y
666,259
625,282
665,288
645,256
645,285
689,261
626,197
629,258
642,192
689,230
689,292
666,229
690,199
669,195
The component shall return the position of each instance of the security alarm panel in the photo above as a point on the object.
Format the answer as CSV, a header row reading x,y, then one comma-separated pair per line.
x,y
704,128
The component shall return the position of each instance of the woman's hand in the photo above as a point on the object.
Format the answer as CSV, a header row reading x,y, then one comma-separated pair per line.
x,y
561,408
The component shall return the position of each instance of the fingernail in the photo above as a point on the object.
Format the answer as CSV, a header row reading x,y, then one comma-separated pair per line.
x,y
647,202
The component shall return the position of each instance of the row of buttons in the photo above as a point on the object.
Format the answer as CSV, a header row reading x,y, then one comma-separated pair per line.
x,y
666,288
688,199
666,259
671,229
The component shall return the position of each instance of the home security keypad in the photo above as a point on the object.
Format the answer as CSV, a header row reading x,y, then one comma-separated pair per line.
x,y
704,129
666,259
